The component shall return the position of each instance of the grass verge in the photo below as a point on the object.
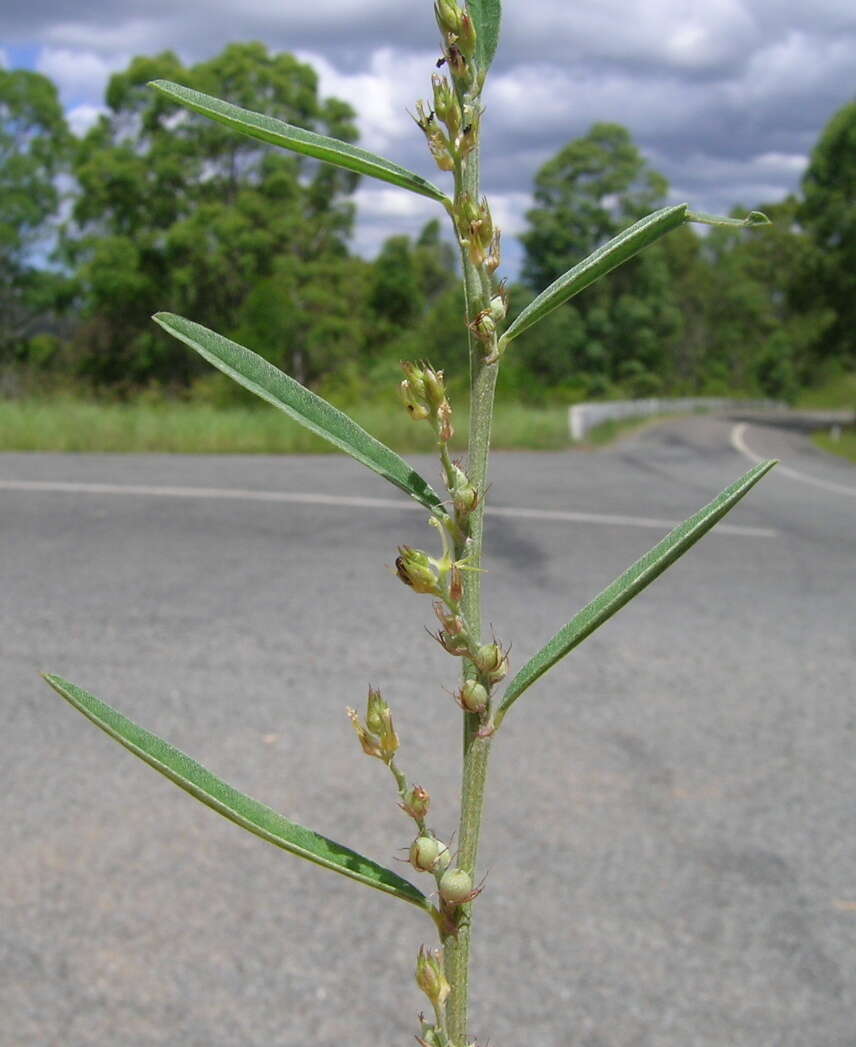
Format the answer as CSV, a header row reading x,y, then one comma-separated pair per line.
x,y
188,428
845,445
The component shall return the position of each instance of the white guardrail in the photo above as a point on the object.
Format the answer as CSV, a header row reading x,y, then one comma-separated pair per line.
x,y
584,417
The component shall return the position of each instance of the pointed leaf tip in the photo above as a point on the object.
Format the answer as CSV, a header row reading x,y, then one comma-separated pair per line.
x,y
236,806
754,218
601,261
255,373
631,583
298,140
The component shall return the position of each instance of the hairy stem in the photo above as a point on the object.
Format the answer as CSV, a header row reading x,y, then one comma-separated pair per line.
x,y
476,750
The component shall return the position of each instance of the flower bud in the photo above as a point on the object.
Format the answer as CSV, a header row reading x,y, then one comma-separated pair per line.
x,y
453,636
446,105
370,743
445,430
416,803
379,723
431,978
498,305
435,389
492,662
415,569
494,255
464,496
467,35
414,376
473,697
448,16
456,886
483,327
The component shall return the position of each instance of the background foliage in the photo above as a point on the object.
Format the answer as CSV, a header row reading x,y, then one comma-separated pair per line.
x,y
97,232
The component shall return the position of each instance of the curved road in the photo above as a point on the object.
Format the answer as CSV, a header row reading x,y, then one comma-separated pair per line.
x,y
669,850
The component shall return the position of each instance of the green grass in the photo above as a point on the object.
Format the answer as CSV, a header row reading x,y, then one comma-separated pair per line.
x,y
845,445
190,428
610,430
838,390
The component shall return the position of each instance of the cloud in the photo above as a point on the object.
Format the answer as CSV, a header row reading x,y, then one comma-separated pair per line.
x,y
388,212
81,117
381,93
725,97
81,76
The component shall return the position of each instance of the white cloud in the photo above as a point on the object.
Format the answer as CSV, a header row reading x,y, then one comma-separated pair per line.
x,y
109,36
381,93
385,212
690,35
81,117
4,59
81,76
726,97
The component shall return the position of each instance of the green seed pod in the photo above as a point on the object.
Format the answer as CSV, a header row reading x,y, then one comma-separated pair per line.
x,y
456,886
492,661
444,859
424,852
473,697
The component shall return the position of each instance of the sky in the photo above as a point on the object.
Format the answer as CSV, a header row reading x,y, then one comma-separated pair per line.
x,y
724,97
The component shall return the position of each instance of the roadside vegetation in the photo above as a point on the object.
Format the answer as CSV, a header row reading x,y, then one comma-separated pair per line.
x,y
173,213
194,428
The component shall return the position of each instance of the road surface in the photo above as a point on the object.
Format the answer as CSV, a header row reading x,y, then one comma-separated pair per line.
x,y
669,849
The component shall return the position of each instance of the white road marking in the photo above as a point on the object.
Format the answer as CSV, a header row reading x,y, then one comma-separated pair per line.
x,y
738,442
350,502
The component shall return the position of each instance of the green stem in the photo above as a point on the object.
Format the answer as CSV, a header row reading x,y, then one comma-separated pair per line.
x,y
476,750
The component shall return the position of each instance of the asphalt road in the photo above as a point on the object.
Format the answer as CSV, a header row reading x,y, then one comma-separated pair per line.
x,y
669,847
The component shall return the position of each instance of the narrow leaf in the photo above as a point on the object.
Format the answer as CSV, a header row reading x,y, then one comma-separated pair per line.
x,y
255,373
601,261
629,584
239,808
308,143
486,16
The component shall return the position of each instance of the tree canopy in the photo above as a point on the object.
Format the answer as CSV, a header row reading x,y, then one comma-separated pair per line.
x,y
34,140
162,209
177,212
828,215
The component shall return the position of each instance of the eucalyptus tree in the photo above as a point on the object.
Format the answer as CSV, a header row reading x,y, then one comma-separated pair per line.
x,y
34,141
171,209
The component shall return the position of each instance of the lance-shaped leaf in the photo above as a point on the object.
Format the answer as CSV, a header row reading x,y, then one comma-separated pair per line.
x,y
255,373
239,808
629,584
308,143
601,261
486,16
